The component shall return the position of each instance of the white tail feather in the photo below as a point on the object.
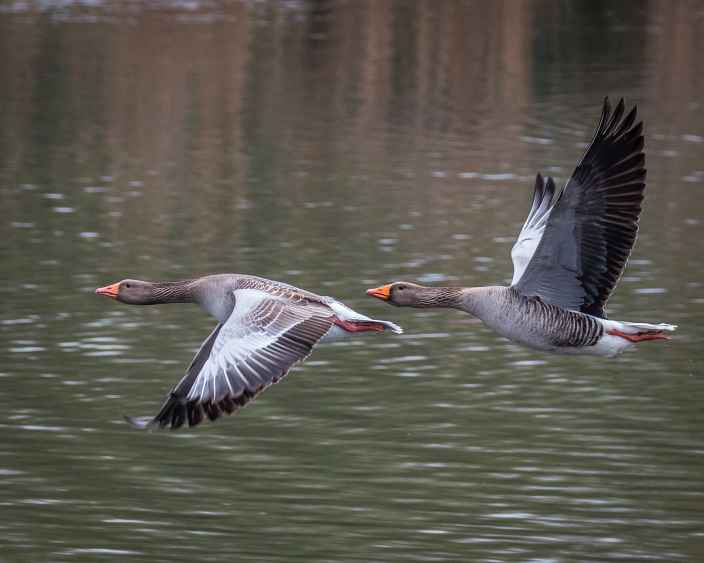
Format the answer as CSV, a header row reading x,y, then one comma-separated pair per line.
x,y
346,314
632,328
391,326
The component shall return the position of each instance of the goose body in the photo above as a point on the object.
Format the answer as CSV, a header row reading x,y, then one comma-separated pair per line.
x,y
568,257
264,328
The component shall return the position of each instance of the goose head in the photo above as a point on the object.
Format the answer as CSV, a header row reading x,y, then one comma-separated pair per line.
x,y
404,294
134,292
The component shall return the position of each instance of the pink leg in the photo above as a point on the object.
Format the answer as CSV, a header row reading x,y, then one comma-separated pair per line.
x,y
640,336
358,326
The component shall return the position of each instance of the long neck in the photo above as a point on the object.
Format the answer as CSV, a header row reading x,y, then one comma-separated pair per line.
x,y
440,297
477,301
173,292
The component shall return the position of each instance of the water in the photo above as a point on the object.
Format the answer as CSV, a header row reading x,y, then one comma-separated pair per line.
x,y
337,146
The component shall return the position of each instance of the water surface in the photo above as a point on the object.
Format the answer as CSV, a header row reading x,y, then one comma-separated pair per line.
x,y
337,146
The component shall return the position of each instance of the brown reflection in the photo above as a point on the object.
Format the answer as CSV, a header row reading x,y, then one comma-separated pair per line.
x,y
175,99
674,49
164,99
676,84
218,125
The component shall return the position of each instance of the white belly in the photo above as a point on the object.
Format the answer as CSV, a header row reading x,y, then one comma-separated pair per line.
x,y
608,346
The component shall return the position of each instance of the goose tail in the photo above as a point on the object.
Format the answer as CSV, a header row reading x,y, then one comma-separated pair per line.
x,y
638,332
388,325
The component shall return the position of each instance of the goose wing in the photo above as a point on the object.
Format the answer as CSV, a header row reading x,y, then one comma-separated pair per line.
x,y
264,336
534,227
592,224
170,411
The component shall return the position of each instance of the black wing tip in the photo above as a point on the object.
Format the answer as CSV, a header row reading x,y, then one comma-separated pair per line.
x,y
173,422
173,413
543,196
613,121
176,412
537,190
605,112
607,104
544,185
173,419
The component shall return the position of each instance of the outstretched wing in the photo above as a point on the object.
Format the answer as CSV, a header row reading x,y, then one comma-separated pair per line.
x,y
532,230
261,340
593,223
173,411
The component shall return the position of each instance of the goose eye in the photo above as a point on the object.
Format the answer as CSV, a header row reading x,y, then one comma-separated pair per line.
x,y
127,285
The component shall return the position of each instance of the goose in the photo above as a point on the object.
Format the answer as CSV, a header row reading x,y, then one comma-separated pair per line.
x,y
568,257
264,327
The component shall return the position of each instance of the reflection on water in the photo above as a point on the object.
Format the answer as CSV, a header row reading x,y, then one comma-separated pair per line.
x,y
336,145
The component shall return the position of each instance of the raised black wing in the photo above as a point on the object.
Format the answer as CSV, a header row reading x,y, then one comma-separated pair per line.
x,y
593,224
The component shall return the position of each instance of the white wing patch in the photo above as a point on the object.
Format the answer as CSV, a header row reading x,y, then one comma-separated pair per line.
x,y
259,342
266,333
534,227
523,250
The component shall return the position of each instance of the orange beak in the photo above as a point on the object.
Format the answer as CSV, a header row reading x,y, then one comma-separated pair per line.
x,y
109,290
382,292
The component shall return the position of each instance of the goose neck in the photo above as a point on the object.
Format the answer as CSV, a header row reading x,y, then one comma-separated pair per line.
x,y
174,292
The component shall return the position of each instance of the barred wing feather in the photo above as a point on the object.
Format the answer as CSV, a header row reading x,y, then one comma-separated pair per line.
x,y
264,336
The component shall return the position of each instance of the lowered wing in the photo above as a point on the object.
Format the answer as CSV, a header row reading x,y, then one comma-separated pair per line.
x,y
255,347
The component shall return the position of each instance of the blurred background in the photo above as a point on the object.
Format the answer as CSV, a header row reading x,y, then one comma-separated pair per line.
x,y
338,145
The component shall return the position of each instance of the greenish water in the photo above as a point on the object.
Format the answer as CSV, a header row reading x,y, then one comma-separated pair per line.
x,y
336,146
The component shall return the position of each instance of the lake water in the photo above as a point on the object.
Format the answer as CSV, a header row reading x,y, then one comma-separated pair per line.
x,y
338,146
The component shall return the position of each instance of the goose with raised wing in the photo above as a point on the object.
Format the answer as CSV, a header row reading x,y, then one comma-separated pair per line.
x,y
264,328
569,255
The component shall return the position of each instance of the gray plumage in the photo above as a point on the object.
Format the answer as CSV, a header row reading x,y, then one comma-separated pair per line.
x,y
592,225
529,320
569,255
264,328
